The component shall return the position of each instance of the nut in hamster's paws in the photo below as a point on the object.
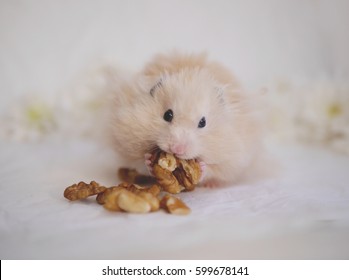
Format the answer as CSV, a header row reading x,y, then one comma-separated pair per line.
x,y
174,174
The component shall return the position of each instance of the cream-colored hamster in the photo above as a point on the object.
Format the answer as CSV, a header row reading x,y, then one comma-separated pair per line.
x,y
191,107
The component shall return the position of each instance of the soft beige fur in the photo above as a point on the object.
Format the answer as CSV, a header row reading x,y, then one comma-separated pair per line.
x,y
193,87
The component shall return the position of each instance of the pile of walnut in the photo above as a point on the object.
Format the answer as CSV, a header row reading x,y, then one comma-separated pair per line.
x,y
127,197
173,175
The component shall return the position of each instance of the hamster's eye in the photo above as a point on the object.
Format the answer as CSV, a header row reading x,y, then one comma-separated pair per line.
x,y
168,116
202,123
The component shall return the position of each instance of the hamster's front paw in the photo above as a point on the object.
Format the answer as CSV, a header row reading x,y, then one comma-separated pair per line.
x,y
211,183
148,163
203,170
207,182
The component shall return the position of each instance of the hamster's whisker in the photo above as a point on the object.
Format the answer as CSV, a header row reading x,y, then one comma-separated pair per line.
x,y
153,148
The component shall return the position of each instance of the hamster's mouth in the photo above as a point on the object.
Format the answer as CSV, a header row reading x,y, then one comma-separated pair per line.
x,y
157,149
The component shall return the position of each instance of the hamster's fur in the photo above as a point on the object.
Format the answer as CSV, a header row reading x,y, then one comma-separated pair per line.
x,y
193,88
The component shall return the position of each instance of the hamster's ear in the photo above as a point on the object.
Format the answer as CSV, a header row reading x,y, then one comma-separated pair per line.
x,y
155,87
220,91
228,95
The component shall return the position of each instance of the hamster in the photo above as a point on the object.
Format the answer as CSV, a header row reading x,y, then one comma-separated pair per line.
x,y
191,107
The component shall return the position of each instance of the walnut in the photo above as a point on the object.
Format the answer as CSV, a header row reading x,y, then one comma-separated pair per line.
x,y
102,196
133,203
153,201
111,199
166,179
130,198
188,174
136,188
167,161
154,190
174,205
83,190
174,174
134,177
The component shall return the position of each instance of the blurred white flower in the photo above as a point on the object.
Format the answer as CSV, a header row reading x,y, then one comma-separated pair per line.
x,y
29,119
314,113
80,110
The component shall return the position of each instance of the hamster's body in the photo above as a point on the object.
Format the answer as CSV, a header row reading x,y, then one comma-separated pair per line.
x,y
191,107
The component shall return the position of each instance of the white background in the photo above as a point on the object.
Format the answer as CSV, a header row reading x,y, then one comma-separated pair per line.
x,y
45,44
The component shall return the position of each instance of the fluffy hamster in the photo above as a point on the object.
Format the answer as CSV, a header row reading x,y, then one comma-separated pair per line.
x,y
191,107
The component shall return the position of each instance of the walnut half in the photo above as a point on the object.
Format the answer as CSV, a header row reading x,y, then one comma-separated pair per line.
x,y
130,198
174,205
83,190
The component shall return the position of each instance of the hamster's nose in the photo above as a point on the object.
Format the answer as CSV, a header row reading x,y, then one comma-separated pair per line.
x,y
178,149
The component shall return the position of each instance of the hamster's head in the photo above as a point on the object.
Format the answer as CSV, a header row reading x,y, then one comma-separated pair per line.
x,y
188,107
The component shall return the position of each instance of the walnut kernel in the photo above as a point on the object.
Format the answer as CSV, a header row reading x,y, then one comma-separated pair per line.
x,y
174,205
83,190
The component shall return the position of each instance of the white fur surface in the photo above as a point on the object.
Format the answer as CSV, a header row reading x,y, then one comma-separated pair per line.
x,y
303,214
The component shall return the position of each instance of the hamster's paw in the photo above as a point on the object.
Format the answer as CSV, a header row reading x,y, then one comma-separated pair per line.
x,y
211,183
203,170
147,162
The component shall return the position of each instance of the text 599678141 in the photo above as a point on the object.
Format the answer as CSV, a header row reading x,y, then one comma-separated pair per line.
x,y
221,270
